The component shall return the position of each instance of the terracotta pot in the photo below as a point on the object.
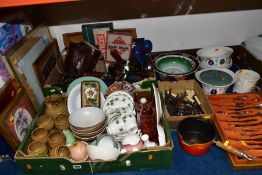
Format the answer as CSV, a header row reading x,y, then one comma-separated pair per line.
x,y
195,135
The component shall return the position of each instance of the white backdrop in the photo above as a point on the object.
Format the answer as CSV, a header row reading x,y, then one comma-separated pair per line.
x,y
188,31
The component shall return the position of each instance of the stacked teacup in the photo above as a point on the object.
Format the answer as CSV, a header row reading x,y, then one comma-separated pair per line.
x,y
120,113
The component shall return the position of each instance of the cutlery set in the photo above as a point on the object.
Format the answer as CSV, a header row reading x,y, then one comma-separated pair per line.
x,y
239,117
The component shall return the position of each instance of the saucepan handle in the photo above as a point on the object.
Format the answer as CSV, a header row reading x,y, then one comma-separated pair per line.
x,y
231,149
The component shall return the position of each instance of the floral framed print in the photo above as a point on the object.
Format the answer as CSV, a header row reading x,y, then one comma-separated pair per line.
x,y
15,120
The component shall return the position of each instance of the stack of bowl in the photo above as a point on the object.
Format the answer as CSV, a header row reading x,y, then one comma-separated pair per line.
x,y
214,76
175,66
87,123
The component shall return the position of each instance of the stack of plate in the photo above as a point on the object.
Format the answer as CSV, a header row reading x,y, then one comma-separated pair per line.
x,y
87,123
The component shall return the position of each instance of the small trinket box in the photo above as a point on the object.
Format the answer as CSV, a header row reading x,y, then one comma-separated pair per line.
x,y
90,94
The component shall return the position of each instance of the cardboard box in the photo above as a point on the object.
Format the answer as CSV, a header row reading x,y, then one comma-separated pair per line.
x,y
179,87
147,158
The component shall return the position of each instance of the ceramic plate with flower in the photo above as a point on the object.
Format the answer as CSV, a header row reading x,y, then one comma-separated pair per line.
x,y
74,99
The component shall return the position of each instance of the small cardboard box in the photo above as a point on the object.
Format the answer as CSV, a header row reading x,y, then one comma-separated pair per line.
x,y
179,87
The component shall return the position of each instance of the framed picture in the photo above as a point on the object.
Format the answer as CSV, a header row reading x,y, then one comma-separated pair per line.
x,y
46,62
121,42
96,34
13,27
16,119
20,59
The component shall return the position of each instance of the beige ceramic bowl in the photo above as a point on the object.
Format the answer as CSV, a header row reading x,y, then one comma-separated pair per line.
x,y
46,122
37,148
40,134
56,138
88,134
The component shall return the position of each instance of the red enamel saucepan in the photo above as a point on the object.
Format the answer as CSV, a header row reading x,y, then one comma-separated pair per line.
x,y
196,135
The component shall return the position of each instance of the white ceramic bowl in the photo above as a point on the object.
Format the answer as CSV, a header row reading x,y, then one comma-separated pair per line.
x,y
215,81
102,153
86,117
215,57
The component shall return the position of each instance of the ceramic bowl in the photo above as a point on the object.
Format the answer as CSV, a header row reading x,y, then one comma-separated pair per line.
x,y
215,57
215,81
174,67
87,129
78,151
102,153
40,134
86,117
87,133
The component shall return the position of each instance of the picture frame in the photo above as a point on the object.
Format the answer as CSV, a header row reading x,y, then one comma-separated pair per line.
x,y
46,62
121,42
13,28
16,119
20,59
96,34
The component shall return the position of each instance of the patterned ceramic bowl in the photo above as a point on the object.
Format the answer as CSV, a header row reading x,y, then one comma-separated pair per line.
x,y
175,66
215,81
215,57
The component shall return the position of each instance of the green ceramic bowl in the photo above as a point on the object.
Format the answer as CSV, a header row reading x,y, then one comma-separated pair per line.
x,y
175,66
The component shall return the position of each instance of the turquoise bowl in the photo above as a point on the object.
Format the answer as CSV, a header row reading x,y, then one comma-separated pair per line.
x,y
215,80
174,67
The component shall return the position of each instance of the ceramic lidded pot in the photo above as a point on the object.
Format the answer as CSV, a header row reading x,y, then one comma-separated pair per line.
x,y
55,104
40,134
215,80
175,66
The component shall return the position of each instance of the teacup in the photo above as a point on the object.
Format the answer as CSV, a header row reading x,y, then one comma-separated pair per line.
x,y
246,81
122,124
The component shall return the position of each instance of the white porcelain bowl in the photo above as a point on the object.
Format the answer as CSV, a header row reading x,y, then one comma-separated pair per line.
x,y
102,153
215,81
215,57
86,117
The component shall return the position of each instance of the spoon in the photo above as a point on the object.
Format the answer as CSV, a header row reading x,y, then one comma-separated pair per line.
x,y
258,106
246,116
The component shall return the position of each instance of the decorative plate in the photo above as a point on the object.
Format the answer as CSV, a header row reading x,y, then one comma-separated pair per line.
x,y
74,99
118,101
159,111
103,86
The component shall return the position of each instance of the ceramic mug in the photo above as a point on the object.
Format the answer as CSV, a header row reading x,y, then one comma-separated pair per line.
x,y
246,81
122,124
